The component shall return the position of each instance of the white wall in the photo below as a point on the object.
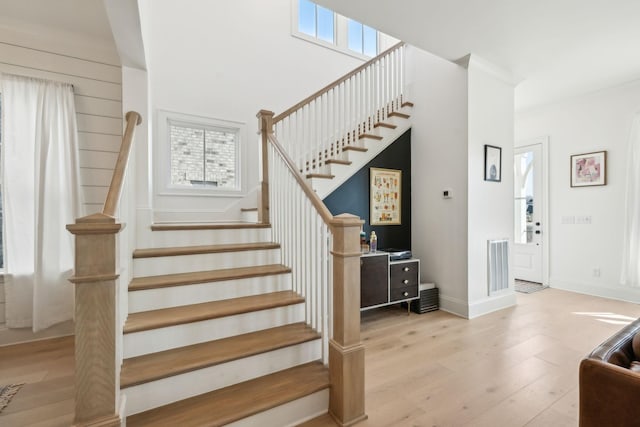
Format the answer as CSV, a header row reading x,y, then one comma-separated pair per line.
x,y
438,88
228,60
93,68
593,122
491,98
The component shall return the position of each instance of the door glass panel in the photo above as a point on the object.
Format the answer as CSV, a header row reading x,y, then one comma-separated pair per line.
x,y
524,203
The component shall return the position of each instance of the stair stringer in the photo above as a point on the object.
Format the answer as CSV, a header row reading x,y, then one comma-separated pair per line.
x,y
323,186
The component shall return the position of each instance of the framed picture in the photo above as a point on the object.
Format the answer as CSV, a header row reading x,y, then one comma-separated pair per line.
x,y
492,163
386,196
589,169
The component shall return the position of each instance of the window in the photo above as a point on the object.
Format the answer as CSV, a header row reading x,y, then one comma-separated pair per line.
x,y
203,156
316,21
323,26
199,155
362,39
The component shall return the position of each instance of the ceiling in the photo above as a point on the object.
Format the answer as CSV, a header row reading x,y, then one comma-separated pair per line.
x,y
553,48
85,17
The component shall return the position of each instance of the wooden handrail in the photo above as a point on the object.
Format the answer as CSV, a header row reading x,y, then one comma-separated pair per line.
x,y
113,196
330,86
320,207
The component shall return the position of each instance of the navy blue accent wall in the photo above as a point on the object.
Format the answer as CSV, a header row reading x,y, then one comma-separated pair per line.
x,y
353,196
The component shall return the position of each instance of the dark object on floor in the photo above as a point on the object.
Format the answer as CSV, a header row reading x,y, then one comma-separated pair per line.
x,y
428,301
528,287
608,388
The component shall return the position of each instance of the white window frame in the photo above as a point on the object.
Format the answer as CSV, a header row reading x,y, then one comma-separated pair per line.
x,y
340,28
162,155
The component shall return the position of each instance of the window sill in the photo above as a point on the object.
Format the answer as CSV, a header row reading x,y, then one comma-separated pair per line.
x,y
331,46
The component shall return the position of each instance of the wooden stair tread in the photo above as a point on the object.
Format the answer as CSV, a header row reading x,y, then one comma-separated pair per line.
x,y
155,366
385,125
399,114
407,104
355,148
208,226
338,162
238,401
204,249
179,279
161,318
320,175
370,136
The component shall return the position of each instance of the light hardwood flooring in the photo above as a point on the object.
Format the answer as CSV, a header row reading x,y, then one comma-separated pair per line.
x,y
514,367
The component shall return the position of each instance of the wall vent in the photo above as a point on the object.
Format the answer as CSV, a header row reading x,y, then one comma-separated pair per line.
x,y
498,265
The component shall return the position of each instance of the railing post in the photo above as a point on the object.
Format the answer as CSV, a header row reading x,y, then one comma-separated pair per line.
x,y
96,322
265,127
346,352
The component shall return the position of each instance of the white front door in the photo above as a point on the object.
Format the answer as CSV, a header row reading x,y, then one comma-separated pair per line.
x,y
529,229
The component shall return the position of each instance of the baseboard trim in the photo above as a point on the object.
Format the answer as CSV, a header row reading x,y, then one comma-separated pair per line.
x,y
454,306
618,292
491,304
23,335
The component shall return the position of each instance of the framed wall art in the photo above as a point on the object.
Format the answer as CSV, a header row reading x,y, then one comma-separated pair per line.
x,y
386,196
589,169
492,163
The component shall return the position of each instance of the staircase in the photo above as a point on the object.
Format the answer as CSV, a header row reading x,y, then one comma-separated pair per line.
x,y
209,346
240,324
327,173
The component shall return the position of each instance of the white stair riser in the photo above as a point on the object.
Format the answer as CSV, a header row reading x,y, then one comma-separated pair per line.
x,y
249,216
153,299
164,239
188,263
290,414
154,340
167,390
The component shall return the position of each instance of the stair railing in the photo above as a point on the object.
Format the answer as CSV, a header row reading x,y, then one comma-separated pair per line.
x,y
98,317
323,252
322,125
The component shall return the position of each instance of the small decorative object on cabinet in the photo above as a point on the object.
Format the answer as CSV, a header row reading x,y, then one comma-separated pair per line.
x,y
384,282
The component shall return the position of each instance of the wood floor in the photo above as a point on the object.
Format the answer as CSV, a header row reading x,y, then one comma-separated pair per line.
x,y
515,367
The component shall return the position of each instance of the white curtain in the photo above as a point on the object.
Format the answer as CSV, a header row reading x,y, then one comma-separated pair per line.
x,y
631,253
40,196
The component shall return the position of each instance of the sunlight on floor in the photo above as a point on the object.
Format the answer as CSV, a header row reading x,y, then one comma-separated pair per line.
x,y
605,317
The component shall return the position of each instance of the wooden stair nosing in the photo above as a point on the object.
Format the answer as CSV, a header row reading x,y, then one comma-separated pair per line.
x,y
355,148
164,364
165,317
320,175
248,209
204,249
211,226
192,278
399,114
407,104
385,125
238,401
369,136
338,162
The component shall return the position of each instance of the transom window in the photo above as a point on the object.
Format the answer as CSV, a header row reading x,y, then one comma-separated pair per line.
x,y
325,27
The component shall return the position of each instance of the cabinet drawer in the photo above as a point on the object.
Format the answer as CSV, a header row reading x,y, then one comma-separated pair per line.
x,y
403,274
404,293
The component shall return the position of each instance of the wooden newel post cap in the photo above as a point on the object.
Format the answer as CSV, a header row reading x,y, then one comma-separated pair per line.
x,y
346,220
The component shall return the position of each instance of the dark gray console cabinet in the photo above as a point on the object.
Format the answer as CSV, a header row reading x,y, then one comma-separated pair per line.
x,y
384,282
